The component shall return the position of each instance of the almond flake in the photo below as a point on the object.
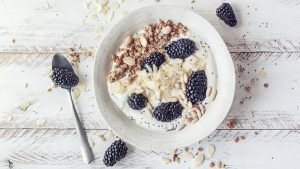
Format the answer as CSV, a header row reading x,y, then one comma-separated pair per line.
x,y
166,30
109,135
24,105
101,138
213,94
187,155
208,91
211,150
180,127
129,61
143,41
41,122
198,160
194,120
128,40
166,160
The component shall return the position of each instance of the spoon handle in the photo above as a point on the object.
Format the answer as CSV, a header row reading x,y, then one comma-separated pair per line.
x,y
86,152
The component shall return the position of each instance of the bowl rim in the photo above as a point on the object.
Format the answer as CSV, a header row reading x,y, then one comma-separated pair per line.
x,y
224,48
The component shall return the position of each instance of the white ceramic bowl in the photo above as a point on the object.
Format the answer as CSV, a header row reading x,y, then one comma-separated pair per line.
x,y
160,140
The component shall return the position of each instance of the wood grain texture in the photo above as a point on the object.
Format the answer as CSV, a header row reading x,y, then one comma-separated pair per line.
x,y
56,148
275,107
58,25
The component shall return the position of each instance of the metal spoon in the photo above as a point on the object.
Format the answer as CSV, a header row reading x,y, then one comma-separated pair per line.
x,y
59,61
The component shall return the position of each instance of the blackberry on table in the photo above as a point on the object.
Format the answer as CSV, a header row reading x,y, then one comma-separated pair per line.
x,y
137,101
226,14
196,87
167,112
154,58
64,78
115,152
181,48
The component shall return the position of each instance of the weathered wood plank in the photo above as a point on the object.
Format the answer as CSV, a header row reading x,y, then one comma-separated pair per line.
x,y
55,148
275,107
58,25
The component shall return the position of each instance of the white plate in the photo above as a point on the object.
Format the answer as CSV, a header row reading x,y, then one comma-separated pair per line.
x,y
163,140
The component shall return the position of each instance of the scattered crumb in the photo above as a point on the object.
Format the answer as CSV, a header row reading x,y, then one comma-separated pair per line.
x,y
240,68
266,85
24,105
74,55
255,132
236,139
186,149
166,160
26,85
242,137
212,164
174,157
230,123
200,148
247,88
220,164
101,138
252,80
242,101
41,122
49,89
9,118
13,40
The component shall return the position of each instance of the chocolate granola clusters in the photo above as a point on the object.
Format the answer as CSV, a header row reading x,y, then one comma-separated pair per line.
x,y
136,48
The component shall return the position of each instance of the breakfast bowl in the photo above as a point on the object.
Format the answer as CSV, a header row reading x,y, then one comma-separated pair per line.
x,y
132,127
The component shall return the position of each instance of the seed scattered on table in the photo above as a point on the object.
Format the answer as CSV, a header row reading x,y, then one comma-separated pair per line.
x,y
211,150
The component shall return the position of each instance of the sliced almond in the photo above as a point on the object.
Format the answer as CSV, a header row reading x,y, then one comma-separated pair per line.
x,y
143,41
187,155
198,160
180,127
194,120
213,94
190,105
188,120
202,108
109,135
194,114
129,61
166,160
185,78
128,40
183,86
208,91
41,122
211,150
24,105
138,91
166,30
101,138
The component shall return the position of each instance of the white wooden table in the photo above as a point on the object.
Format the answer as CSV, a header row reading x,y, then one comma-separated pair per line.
x,y
267,36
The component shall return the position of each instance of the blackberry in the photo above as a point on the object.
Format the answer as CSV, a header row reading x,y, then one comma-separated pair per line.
x,y
181,48
154,58
115,152
64,78
226,14
137,101
167,112
196,87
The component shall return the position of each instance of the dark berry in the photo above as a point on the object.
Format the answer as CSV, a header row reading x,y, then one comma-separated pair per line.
x,y
196,87
181,48
154,58
167,112
137,101
64,78
115,152
226,14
